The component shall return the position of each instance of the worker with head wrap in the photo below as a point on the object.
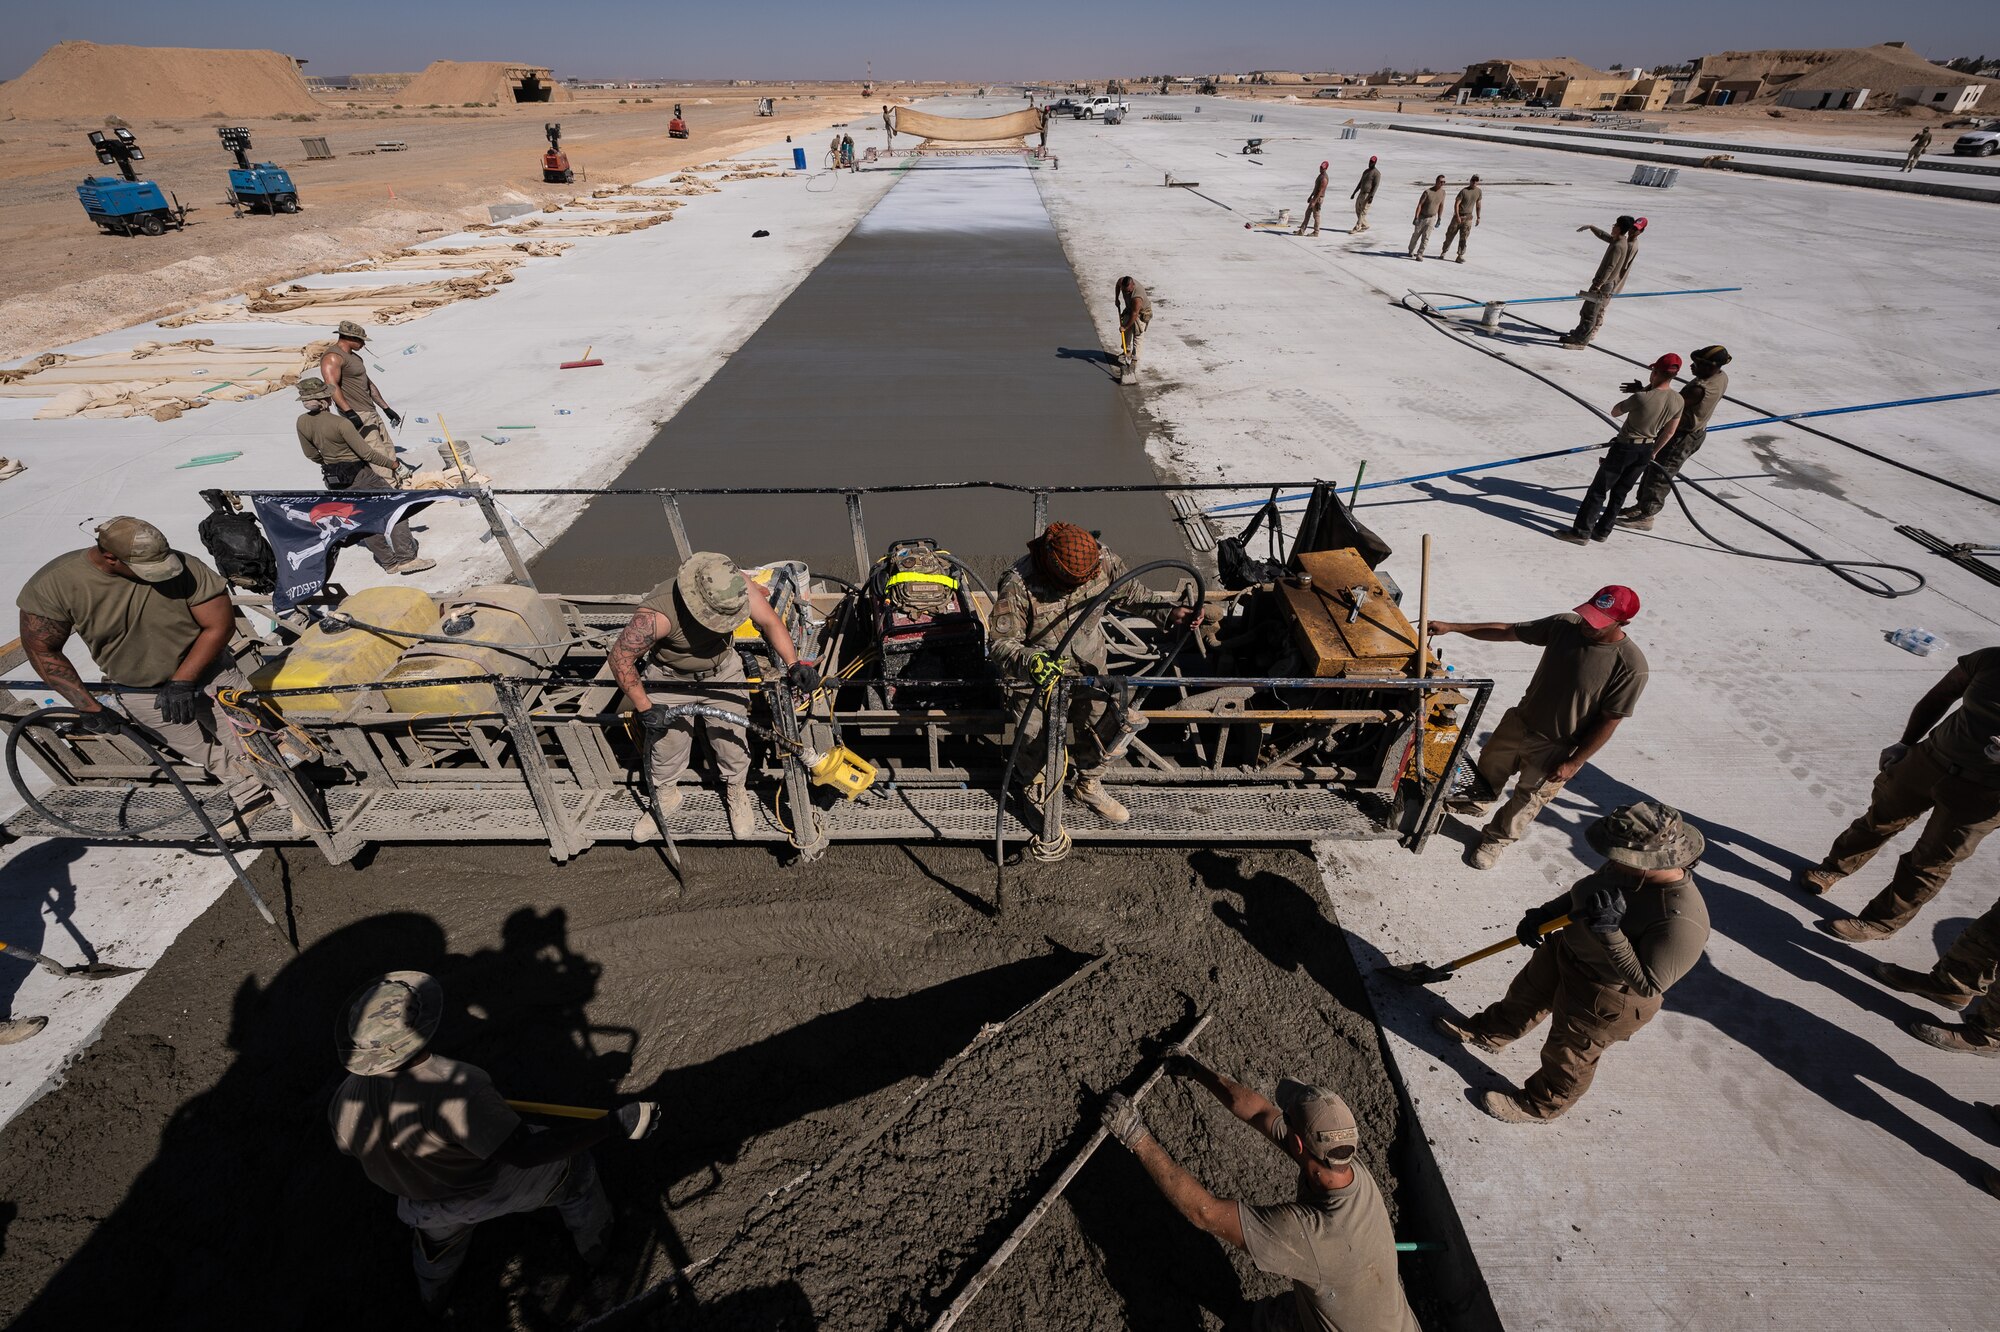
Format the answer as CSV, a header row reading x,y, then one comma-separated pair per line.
x,y
1313,201
1363,194
1040,599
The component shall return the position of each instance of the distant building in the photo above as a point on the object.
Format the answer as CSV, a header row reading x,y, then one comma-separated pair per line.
x,y
1530,78
1831,79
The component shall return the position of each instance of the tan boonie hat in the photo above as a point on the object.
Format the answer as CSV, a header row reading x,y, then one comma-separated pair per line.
x,y
140,547
713,591
349,329
1647,835
389,1022
1322,1121
312,388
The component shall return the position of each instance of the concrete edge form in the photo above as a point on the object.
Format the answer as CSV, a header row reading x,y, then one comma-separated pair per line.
x,y
1975,193
1889,160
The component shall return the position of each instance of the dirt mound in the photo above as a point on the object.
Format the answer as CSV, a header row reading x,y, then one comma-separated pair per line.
x,y
88,80
456,82
1884,69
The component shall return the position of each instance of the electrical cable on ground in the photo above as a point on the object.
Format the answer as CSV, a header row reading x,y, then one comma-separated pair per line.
x,y
1872,584
132,732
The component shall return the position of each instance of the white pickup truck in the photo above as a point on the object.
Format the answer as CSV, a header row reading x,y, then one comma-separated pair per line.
x,y
1092,107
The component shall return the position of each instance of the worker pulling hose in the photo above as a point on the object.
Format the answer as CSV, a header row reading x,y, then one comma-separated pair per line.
x,y
1047,670
1872,584
136,734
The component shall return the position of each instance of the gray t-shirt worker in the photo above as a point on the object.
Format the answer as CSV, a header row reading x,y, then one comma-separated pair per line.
x,y
155,621
1334,1242
1588,681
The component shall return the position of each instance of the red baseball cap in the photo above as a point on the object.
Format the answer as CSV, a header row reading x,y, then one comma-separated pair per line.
x,y
1611,605
1322,166
1671,363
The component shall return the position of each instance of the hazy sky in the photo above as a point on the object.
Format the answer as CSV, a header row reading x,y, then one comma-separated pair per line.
x,y
777,39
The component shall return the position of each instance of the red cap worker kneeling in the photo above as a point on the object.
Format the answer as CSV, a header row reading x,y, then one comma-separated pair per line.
x,y
1588,680
1335,1242
1636,926
435,1133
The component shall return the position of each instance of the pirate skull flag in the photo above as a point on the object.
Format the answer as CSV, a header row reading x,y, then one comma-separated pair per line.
x,y
304,529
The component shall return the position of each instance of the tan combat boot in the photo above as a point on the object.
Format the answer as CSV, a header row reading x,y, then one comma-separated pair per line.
x,y
743,819
1091,793
643,827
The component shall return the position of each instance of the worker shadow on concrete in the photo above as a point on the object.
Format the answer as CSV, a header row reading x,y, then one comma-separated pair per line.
x,y
1103,360
1538,508
40,890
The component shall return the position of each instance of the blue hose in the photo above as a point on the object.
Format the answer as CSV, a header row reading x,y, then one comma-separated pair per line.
x,y
1621,296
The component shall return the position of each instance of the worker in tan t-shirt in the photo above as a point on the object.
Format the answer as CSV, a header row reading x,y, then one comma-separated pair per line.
x,y
157,623
680,648
1430,207
1621,246
355,395
1313,202
1588,680
1636,926
433,1133
1467,212
1363,195
1702,394
1651,414
1135,312
1334,1243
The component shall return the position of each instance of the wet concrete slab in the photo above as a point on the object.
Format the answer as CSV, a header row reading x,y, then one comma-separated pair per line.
x,y
944,340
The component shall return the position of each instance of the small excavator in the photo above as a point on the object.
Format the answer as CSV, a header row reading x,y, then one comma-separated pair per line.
x,y
555,162
677,128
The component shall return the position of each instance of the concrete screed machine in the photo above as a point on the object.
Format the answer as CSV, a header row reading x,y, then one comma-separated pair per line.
x,y
1301,709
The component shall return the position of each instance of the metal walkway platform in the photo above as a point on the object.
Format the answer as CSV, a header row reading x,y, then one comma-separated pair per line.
x,y
918,814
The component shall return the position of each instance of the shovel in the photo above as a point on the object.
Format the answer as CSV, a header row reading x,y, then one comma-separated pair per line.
x,y
1420,973
89,971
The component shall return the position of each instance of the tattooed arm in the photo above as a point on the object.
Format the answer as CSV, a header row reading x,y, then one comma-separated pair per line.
x,y
42,639
634,642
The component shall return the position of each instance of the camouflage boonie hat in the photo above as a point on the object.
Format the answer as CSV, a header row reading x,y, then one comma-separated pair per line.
x,y
312,388
714,591
1648,836
389,1022
349,329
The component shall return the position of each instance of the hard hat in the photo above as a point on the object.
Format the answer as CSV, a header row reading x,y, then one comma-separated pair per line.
x,y
1671,363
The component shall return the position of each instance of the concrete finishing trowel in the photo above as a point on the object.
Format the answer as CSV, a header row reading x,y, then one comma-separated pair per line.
x,y
88,971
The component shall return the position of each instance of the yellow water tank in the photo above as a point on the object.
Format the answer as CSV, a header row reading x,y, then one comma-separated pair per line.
x,y
349,656
501,616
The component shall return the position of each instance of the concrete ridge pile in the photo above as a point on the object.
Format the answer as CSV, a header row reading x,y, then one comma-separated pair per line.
x,y
85,79
456,82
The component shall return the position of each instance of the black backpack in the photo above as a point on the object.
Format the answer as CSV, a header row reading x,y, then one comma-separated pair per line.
x,y
236,543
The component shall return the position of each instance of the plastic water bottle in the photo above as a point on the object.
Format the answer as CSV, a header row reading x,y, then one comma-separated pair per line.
x,y
413,349
1920,641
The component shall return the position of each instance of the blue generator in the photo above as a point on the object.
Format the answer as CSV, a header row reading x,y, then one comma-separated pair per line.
x,y
124,204
260,187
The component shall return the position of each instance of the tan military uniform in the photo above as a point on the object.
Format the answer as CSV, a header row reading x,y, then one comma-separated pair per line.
x,y
686,657
1133,319
358,391
1430,207
1363,195
351,460
1597,991
1953,774
1339,1251
1464,216
1313,201
1699,399
1607,282
1920,143
1031,615
1647,415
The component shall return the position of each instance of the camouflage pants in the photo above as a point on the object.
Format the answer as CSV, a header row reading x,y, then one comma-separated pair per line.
x,y
1961,814
1311,219
1361,214
1586,1018
1459,230
1658,479
1589,320
1088,717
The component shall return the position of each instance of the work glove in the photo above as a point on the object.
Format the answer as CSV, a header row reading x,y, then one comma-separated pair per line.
x,y
354,418
1529,931
176,702
404,471
1045,669
639,1119
1891,756
102,721
1631,386
655,721
1122,1119
803,677
1603,910
395,417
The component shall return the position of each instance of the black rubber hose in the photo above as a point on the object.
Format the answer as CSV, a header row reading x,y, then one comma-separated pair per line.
x,y
137,735
1871,584
1091,610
